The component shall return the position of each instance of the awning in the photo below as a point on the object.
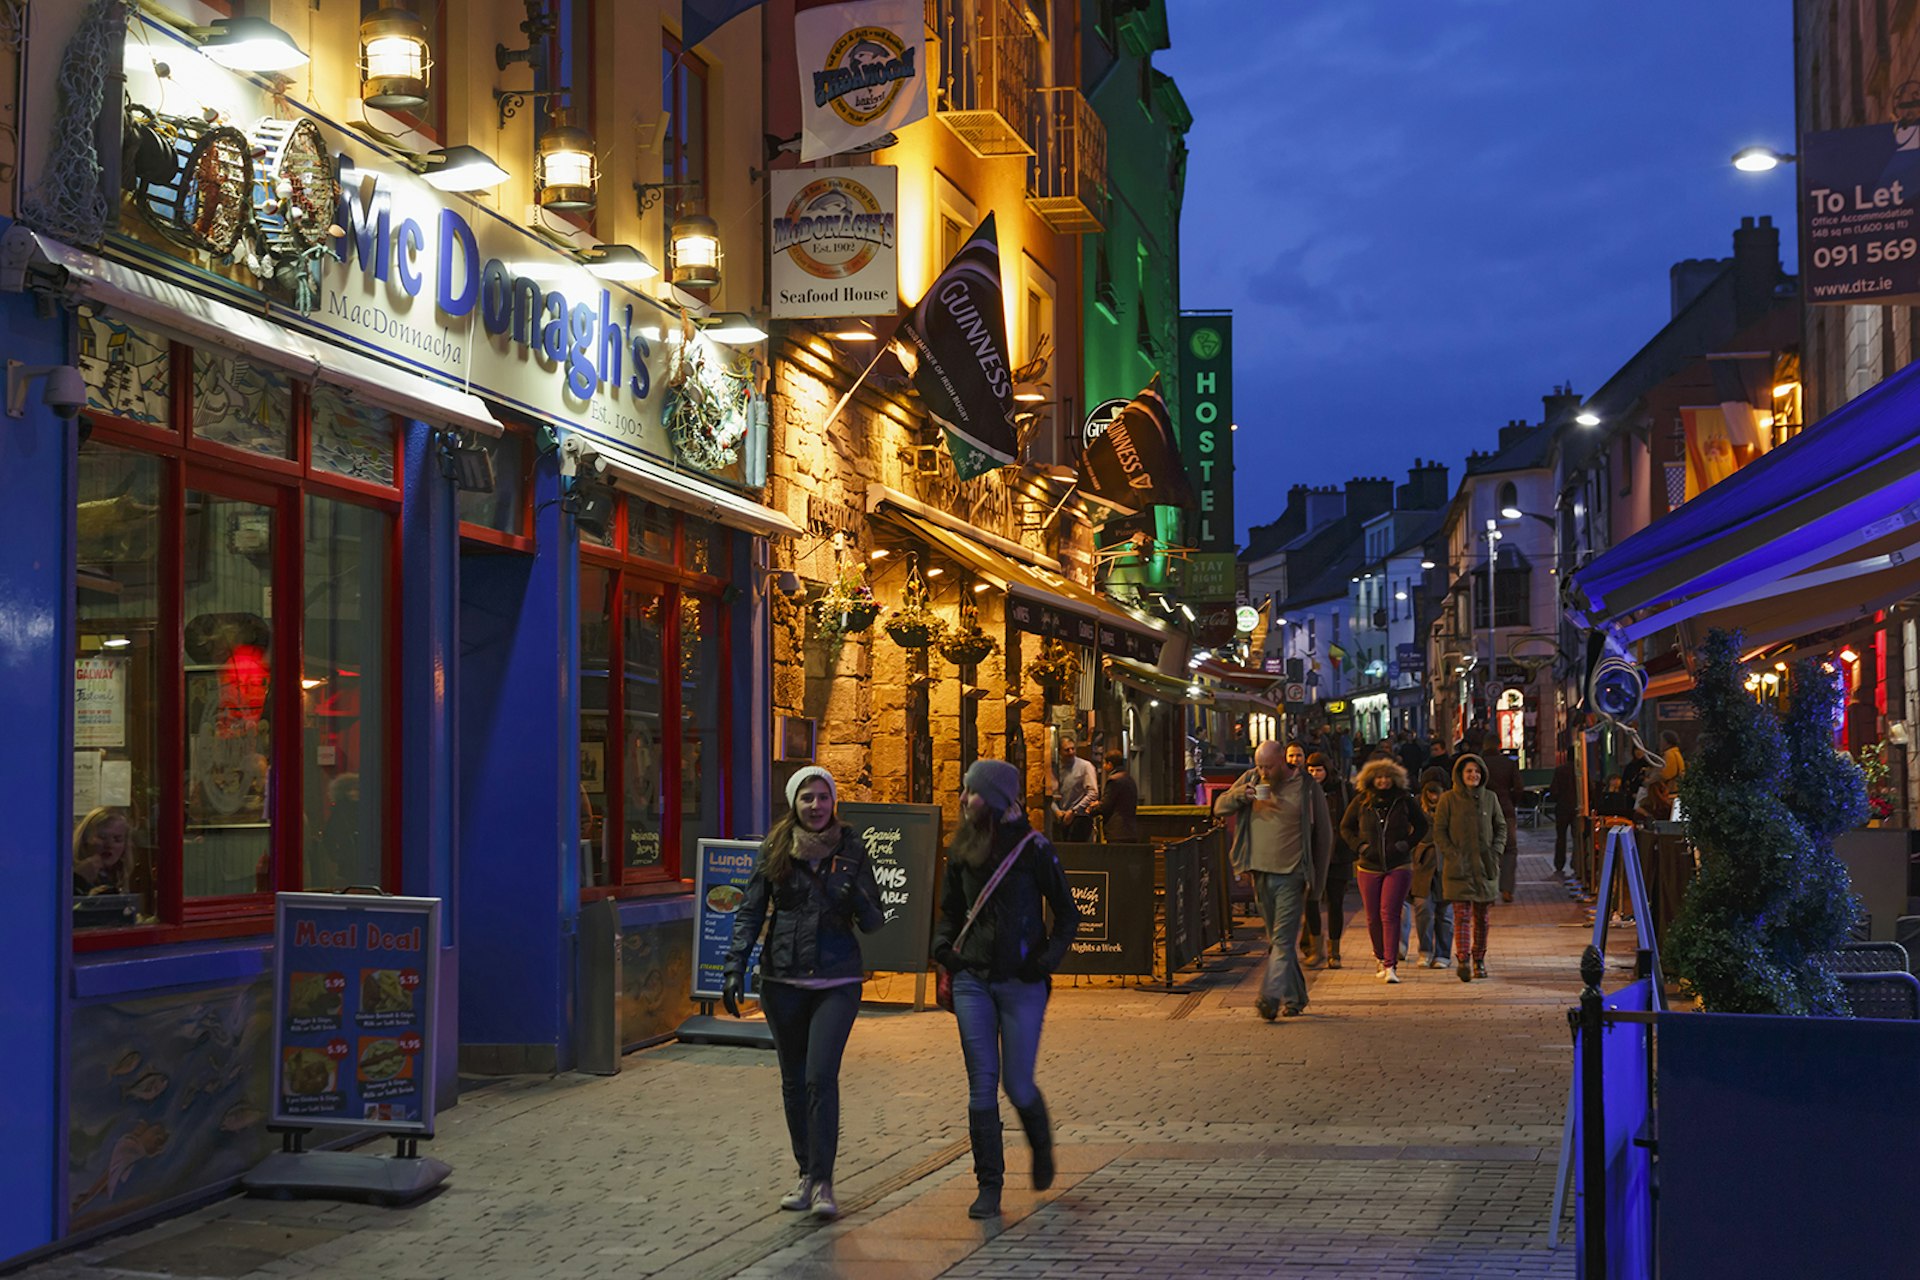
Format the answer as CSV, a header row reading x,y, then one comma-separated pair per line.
x,y
651,480
179,313
1822,530
1153,681
1039,600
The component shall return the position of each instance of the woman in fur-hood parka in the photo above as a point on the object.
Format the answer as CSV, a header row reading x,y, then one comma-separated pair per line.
x,y
1470,831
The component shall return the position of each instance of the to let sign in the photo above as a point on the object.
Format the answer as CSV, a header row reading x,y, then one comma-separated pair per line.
x,y
1860,188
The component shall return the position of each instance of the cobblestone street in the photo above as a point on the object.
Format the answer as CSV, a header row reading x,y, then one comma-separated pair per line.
x,y
1391,1131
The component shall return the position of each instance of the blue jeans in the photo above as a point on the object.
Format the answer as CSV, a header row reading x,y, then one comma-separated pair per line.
x,y
1435,919
1280,897
999,1037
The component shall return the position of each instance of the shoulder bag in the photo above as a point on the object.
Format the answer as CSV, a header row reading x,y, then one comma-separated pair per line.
x,y
943,983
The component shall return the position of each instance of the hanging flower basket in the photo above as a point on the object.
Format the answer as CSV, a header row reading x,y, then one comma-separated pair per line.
x,y
967,645
847,605
914,625
1056,671
858,617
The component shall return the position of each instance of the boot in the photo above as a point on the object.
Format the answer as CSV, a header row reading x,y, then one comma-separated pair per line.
x,y
1333,953
1039,1129
1309,951
989,1161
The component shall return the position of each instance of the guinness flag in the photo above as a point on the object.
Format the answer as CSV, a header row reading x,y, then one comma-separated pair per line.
x,y
1135,461
701,18
956,341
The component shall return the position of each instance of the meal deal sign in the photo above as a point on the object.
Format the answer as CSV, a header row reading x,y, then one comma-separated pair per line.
x,y
1859,189
355,980
720,887
833,242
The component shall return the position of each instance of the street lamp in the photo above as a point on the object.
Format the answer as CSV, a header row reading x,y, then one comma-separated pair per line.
x,y
1493,639
1761,159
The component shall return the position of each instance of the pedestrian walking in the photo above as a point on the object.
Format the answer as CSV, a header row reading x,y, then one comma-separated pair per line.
x,y
1439,766
1296,756
1283,837
1432,917
1003,878
1412,754
1470,830
1119,803
1075,787
1333,894
814,875
1566,805
1382,824
1503,780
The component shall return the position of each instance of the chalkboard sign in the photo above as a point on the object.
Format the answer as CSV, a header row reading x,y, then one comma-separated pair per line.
x,y
1113,886
1185,905
1212,891
355,992
903,842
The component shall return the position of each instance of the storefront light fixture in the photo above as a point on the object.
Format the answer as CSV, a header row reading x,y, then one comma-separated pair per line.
x,y
1784,389
1153,702
621,262
1761,159
115,642
1399,595
395,60
736,328
462,168
1030,392
978,587
878,553
1427,564
1193,691
251,44
695,241
566,170
1847,655
861,332
310,683
935,571
1587,418
1186,611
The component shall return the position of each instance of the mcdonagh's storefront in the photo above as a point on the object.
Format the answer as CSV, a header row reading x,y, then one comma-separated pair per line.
x,y
370,559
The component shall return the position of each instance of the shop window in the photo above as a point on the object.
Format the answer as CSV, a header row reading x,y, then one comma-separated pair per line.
x,y
654,700
345,694
235,650
242,405
504,511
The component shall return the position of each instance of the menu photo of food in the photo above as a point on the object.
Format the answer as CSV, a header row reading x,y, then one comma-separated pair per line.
x,y
307,1075
726,898
386,997
314,1001
385,1067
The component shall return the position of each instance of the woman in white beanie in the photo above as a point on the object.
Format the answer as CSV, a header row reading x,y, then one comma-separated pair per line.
x,y
992,935
818,880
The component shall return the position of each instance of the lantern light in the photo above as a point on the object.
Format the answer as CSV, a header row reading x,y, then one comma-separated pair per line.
x,y
394,60
696,251
566,171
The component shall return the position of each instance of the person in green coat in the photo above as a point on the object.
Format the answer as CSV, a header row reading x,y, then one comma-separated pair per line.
x,y
1471,833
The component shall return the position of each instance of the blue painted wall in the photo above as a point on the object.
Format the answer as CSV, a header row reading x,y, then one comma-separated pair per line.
x,y
36,754
519,785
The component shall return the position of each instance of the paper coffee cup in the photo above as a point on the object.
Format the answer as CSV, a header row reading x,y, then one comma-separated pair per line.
x,y
1263,792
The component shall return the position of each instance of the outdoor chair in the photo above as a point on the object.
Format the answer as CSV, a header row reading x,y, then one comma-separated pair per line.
x,y
1527,809
1869,957
1906,932
1882,995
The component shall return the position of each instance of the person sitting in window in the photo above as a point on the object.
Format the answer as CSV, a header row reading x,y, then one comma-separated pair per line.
x,y
101,843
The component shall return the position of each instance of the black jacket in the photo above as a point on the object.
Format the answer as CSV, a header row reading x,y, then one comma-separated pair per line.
x,y
814,914
1119,805
1337,800
1011,933
1383,829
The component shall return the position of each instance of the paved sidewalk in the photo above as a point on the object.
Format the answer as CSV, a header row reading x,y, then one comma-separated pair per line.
x,y
1392,1131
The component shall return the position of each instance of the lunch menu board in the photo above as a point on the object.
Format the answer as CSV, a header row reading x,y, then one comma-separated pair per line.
x,y
903,844
355,985
719,888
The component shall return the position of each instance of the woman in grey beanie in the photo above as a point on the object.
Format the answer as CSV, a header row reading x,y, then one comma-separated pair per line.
x,y
992,935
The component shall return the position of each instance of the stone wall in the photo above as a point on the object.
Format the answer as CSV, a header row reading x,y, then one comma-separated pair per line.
x,y
856,689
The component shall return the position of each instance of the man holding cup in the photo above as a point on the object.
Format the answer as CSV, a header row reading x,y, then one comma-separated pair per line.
x,y
1283,838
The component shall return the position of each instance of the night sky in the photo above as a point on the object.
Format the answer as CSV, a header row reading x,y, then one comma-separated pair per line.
x,y
1425,213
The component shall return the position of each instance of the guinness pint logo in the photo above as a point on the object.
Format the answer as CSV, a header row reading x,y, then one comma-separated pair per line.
x,y
832,228
864,73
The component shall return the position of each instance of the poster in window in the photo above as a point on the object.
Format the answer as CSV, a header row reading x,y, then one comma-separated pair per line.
x,y
593,767
351,440
125,369
99,702
229,741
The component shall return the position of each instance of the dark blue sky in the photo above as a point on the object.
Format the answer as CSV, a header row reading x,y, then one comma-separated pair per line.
x,y
1425,213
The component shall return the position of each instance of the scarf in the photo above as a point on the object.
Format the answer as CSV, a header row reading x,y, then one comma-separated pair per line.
x,y
816,846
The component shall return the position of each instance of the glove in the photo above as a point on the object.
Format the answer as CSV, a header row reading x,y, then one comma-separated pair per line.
x,y
840,891
730,994
1031,970
947,958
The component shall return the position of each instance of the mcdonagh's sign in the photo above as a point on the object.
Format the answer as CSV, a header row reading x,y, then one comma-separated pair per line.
x,y
834,251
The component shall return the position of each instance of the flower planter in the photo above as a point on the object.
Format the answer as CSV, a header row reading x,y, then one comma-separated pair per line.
x,y
966,649
912,633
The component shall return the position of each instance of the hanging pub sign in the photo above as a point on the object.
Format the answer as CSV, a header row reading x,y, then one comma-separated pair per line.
x,y
1206,437
1098,419
1134,460
1859,188
862,71
834,252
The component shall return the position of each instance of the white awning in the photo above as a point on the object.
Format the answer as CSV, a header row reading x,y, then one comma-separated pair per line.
x,y
179,313
649,479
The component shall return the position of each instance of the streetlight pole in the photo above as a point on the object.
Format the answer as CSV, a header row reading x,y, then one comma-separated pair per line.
x,y
1493,640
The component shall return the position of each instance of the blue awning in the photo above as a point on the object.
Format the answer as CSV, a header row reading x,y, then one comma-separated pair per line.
x,y
1820,531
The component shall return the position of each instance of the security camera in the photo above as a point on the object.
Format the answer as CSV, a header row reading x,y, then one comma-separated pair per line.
x,y
64,390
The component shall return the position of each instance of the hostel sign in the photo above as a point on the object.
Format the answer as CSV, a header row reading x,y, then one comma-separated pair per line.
x,y
1206,435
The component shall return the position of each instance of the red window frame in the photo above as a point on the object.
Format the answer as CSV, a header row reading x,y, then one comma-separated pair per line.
x,y
629,574
283,485
500,539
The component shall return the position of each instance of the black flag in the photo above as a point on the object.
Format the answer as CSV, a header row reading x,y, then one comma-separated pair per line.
x,y
1135,461
958,334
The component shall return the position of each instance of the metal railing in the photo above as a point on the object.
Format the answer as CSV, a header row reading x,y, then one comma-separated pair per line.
x,y
1067,177
989,60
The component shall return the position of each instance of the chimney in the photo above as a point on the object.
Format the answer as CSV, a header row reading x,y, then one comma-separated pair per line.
x,y
1514,432
1425,489
1688,280
1369,496
1560,405
1756,269
1324,506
